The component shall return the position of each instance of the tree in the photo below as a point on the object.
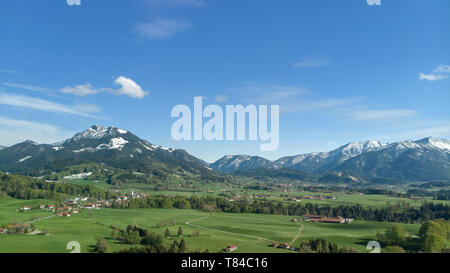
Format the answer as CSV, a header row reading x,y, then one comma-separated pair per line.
x,y
180,232
167,233
102,246
433,243
394,236
174,247
115,234
182,246
434,235
134,238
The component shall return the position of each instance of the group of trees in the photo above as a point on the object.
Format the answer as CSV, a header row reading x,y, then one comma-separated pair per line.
x,y
23,187
323,246
433,237
148,241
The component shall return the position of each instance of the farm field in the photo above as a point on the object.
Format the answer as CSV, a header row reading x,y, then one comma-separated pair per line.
x,y
251,232
373,200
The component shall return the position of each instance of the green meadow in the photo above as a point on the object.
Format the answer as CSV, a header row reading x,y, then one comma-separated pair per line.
x,y
251,232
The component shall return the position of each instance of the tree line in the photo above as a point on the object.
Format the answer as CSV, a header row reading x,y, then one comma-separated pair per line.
x,y
400,212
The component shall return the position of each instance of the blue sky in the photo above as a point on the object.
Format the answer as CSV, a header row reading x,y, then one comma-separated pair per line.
x,y
341,71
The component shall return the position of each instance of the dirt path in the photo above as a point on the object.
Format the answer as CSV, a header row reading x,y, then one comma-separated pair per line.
x,y
40,219
298,234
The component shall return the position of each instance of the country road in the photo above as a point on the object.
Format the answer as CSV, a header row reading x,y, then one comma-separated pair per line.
x,y
40,219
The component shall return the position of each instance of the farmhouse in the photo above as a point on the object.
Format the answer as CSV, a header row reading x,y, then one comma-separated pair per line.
x,y
320,197
90,206
325,219
231,248
26,208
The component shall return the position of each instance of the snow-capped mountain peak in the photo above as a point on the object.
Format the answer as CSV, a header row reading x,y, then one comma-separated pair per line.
x,y
437,143
97,132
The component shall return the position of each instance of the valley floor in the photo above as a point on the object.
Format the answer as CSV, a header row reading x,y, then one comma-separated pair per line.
x,y
251,232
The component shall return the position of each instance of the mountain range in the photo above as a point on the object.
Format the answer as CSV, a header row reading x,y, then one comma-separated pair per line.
x,y
425,159
422,160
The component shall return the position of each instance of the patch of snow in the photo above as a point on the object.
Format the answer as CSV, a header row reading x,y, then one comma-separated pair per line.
x,y
117,143
147,147
23,159
84,150
440,144
114,144
121,131
78,176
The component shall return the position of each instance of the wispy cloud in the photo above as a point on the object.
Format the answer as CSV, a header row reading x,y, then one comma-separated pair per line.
x,y
173,3
161,28
304,105
13,131
8,71
28,87
441,131
312,62
221,98
381,115
128,87
268,93
290,98
73,2
80,90
439,73
40,104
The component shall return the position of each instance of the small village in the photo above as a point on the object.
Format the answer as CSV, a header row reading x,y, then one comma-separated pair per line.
x,y
67,208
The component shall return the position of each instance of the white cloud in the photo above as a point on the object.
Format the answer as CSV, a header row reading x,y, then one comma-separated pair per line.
x,y
13,131
161,28
39,104
73,2
382,115
129,88
439,73
80,90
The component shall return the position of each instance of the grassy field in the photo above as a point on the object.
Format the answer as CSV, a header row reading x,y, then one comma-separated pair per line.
x,y
373,200
251,232
10,215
